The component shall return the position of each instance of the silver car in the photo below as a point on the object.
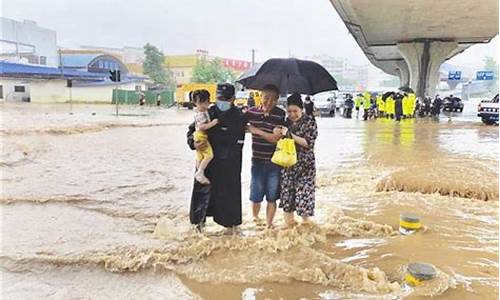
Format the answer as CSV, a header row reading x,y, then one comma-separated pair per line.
x,y
326,104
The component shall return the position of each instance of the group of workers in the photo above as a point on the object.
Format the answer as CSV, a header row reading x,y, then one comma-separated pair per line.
x,y
393,105
429,107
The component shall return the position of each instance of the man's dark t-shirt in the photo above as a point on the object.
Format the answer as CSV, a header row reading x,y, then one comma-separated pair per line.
x,y
262,149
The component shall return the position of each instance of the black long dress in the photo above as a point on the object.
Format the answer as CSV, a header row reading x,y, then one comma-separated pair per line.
x,y
222,198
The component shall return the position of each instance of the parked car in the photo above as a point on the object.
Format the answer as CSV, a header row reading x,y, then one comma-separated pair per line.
x,y
487,110
325,103
453,104
242,98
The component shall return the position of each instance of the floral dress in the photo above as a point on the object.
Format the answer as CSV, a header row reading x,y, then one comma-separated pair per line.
x,y
298,181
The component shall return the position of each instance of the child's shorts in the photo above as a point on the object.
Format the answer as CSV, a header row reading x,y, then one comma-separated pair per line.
x,y
208,152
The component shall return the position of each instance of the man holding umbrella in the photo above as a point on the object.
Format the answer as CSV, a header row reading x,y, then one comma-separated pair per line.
x,y
265,180
273,76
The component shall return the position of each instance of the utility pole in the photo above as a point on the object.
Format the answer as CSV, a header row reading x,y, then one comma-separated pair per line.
x,y
17,41
253,56
60,63
70,86
115,76
69,82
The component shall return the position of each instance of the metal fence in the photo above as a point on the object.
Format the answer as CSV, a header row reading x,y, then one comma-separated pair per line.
x,y
132,97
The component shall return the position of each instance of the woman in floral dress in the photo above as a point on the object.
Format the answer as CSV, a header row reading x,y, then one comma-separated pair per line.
x,y
298,181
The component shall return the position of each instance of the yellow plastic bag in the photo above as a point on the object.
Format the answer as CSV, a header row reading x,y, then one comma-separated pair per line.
x,y
285,154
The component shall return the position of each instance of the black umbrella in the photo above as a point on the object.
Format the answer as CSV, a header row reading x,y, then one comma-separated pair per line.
x,y
387,94
406,89
289,75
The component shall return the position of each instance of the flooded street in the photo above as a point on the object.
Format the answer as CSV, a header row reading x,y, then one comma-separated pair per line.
x,y
97,205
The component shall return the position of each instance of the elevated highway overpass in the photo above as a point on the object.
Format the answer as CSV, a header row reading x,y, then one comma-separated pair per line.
x,y
412,38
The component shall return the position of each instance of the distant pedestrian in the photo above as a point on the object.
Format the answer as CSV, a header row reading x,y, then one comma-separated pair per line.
x,y
309,107
367,103
398,106
436,106
357,104
142,98
158,100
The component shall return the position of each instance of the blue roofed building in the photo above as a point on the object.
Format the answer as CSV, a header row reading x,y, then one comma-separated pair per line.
x,y
34,69
91,61
87,75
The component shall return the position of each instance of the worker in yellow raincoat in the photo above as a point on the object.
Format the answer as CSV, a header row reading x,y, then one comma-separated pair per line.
x,y
380,106
413,103
390,108
406,106
357,103
366,104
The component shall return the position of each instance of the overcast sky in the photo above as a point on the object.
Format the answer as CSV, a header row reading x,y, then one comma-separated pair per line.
x,y
276,28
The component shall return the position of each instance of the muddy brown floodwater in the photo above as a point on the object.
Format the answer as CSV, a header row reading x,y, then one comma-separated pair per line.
x,y
95,206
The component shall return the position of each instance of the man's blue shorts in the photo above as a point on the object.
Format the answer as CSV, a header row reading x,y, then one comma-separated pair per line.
x,y
266,177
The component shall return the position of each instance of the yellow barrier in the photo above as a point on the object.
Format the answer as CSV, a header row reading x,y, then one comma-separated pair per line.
x,y
409,223
417,273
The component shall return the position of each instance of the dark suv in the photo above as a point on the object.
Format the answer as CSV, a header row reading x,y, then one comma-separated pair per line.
x,y
453,104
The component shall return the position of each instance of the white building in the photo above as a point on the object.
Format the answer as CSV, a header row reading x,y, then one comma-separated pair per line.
x,y
380,81
41,84
359,74
336,66
26,42
32,69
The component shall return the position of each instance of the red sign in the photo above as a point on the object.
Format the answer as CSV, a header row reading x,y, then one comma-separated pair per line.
x,y
238,65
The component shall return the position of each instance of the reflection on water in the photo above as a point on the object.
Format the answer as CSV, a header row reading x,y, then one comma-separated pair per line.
x,y
104,199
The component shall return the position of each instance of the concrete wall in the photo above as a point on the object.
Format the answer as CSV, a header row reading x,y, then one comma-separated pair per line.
x,y
44,41
8,93
55,91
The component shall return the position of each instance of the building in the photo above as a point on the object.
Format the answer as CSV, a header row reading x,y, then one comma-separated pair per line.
x,y
26,42
380,81
182,66
336,66
347,73
91,61
33,69
41,84
358,74
132,57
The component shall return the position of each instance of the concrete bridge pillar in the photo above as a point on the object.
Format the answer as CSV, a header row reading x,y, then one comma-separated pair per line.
x,y
423,58
404,73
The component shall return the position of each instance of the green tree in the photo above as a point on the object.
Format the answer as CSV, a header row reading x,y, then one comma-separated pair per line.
x,y
490,64
154,68
212,71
